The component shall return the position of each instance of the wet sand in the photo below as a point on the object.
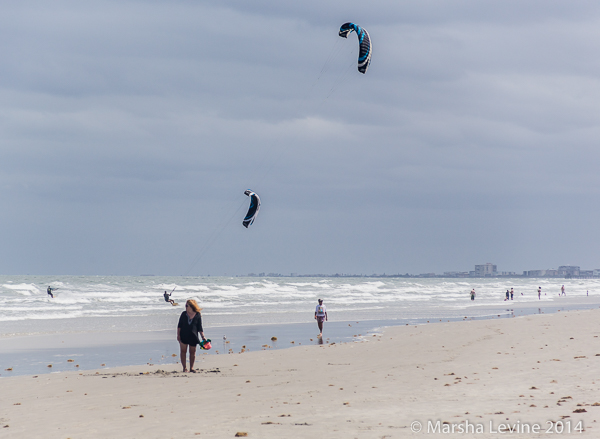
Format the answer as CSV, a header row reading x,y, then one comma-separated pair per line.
x,y
531,374
31,354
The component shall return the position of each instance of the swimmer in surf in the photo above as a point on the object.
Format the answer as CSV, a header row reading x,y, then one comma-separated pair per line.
x,y
168,298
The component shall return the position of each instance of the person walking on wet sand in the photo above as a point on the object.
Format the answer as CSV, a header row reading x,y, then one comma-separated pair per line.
x,y
507,295
473,294
188,328
562,291
320,316
512,292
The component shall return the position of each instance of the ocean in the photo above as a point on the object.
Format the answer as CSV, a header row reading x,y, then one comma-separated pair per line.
x,y
128,317
135,303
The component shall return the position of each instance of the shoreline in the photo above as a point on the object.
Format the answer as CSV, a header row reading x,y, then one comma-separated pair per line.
x,y
54,353
536,370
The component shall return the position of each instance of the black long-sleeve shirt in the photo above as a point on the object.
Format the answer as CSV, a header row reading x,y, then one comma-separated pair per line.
x,y
189,331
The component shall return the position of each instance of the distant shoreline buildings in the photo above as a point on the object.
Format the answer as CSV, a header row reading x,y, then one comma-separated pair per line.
x,y
487,270
564,271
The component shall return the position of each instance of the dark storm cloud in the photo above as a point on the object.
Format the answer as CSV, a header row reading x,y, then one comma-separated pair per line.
x,y
130,130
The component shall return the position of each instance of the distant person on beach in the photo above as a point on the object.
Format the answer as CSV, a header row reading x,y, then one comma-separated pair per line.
x,y
320,316
188,328
49,291
512,292
507,295
540,293
562,291
168,298
473,294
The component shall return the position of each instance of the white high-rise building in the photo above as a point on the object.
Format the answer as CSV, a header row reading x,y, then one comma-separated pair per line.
x,y
486,270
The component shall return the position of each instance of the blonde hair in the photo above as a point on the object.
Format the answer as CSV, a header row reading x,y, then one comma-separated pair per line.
x,y
192,303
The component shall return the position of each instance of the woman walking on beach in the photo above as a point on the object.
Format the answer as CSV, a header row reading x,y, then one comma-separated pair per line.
x,y
188,328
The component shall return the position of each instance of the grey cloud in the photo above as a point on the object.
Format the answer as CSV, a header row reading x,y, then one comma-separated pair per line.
x,y
130,130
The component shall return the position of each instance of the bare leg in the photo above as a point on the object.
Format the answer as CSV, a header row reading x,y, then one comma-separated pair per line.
x,y
320,328
182,354
192,357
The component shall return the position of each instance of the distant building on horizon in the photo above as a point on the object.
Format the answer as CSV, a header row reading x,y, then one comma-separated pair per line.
x,y
485,270
569,270
508,273
541,273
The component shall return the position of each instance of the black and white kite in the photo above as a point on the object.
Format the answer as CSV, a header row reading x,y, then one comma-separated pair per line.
x,y
253,209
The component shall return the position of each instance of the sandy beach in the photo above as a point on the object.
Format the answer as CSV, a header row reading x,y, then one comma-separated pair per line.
x,y
535,375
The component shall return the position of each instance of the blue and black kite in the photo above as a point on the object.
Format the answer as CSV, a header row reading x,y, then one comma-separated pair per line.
x,y
364,43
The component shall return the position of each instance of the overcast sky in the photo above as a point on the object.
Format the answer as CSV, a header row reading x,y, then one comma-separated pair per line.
x,y
129,131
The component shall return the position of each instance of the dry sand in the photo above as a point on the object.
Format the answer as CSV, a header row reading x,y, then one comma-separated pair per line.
x,y
474,375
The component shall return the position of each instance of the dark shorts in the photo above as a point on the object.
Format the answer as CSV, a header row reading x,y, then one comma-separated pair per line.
x,y
189,339
191,345
320,319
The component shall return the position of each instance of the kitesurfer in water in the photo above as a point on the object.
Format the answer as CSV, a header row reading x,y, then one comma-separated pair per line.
x,y
168,298
320,316
49,291
188,328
